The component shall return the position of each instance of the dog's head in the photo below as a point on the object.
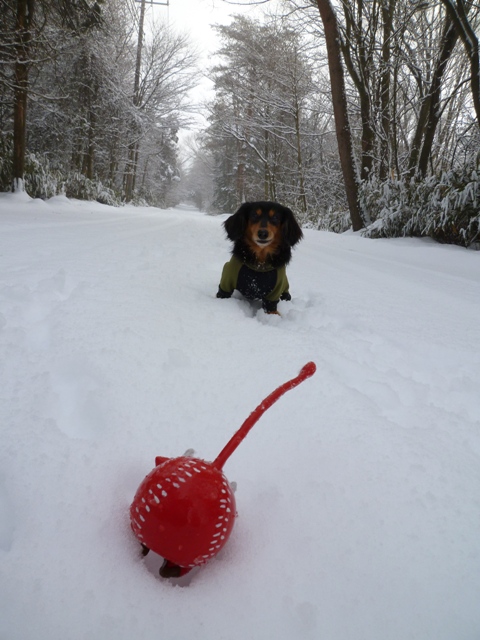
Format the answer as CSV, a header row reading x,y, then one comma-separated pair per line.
x,y
263,226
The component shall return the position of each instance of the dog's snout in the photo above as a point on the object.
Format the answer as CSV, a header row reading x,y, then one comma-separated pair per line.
x,y
262,234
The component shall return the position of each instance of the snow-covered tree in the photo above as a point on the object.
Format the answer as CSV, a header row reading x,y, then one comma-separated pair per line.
x,y
158,105
411,107
78,134
268,119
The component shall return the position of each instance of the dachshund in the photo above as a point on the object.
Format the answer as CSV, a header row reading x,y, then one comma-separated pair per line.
x,y
263,234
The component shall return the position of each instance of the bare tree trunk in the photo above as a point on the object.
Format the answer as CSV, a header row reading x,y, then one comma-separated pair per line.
x,y
302,195
89,156
430,109
361,80
240,186
466,32
25,10
450,38
339,100
387,9
267,181
131,165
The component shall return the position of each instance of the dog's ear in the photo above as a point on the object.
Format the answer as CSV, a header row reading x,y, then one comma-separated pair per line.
x,y
291,230
236,224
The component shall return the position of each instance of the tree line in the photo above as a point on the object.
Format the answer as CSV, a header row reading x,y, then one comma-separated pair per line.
x,y
355,113
410,80
270,130
81,111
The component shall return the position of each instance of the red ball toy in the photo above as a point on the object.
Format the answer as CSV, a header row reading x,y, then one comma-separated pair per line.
x,y
184,509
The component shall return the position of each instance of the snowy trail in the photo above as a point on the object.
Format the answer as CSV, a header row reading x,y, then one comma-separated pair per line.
x,y
357,492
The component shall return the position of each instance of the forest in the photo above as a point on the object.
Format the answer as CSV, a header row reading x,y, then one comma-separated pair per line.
x,y
356,114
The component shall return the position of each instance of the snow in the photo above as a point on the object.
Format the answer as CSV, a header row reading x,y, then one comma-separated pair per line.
x,y
358,491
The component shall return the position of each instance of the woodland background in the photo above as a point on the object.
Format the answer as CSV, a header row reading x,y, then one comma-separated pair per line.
x,y
354,113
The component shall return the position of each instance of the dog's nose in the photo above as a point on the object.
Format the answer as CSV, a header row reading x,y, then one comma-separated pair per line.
x,y
262,234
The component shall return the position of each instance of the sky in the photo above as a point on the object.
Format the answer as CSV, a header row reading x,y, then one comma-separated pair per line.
x,y
196,17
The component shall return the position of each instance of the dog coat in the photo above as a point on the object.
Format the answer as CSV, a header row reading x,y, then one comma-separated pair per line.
x,y
265,283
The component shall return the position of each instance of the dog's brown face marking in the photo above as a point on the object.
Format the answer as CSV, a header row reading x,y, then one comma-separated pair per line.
x,y
263,232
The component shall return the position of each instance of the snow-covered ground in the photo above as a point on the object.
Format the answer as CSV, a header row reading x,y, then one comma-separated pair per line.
x,y
358,492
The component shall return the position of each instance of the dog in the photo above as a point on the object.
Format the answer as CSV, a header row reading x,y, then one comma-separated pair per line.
x,y
263,234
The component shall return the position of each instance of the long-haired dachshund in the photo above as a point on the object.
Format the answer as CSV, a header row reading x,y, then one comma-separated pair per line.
x,y
263,234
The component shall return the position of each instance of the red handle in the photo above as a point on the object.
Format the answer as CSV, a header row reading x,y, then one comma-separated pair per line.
x,y
306,372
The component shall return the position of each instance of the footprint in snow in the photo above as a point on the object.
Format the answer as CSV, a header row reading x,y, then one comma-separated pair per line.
x,y
76,399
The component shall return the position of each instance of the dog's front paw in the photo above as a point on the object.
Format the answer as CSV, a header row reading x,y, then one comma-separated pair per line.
x,y
285,296
223,294
270,306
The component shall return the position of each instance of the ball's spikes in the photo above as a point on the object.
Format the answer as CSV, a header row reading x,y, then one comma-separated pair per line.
x,y
306,372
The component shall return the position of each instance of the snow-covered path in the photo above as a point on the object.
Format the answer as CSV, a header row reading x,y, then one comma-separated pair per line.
x,y
358,492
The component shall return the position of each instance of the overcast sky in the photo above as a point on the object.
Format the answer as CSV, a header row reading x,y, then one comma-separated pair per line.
x,y
196,17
